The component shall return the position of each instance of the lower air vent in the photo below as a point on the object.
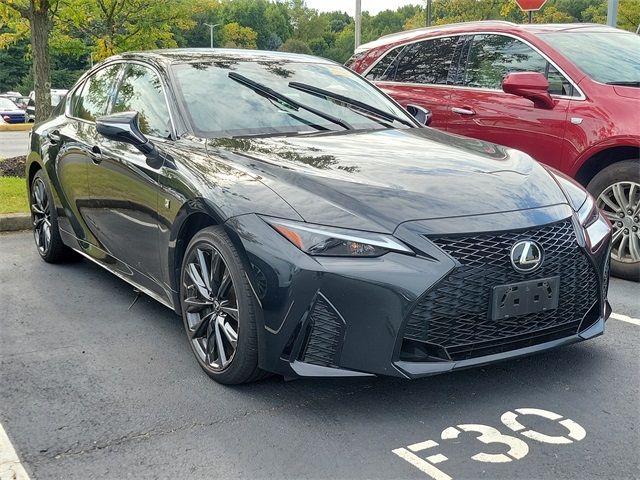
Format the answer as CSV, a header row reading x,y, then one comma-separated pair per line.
x,y
324,341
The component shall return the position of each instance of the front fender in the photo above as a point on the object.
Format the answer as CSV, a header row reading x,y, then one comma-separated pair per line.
x,y
628,141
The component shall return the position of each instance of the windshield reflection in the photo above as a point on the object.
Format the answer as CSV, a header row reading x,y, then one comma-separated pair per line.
x,y
217,106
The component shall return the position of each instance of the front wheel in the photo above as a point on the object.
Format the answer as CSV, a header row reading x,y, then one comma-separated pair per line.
x,y
617,191
219,308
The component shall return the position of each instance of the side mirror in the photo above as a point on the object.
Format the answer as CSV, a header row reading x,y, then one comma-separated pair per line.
x,y
124,127
421,114
530,85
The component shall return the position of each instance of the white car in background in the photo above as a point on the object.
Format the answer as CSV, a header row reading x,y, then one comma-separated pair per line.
x,y
57,94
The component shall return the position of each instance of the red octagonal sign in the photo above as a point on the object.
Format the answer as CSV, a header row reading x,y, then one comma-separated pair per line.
x,y
530,5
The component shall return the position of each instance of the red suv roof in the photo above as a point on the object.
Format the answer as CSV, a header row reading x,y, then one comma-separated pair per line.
x,y
484,25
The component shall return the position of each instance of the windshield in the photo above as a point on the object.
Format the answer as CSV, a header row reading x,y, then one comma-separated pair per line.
x,y
219,106
607,57
6,104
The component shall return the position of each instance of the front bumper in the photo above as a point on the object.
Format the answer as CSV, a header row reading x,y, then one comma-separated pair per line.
x,y
324,316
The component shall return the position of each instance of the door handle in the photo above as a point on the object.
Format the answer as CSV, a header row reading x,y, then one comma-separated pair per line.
x,y
95,154
54,136
463,110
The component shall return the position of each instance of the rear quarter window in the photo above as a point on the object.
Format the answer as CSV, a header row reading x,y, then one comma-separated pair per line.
x,y
383,69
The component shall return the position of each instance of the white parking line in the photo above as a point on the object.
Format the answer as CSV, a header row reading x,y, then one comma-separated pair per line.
x,y
10,466
624,318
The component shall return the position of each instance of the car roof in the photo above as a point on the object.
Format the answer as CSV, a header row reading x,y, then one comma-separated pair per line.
x,y
181,55
484,25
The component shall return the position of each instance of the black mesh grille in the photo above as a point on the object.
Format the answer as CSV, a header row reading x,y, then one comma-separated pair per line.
x,y
325,336
453,318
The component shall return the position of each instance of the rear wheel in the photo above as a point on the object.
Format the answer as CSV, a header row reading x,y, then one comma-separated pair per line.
x,y
219,308
44,219
617,191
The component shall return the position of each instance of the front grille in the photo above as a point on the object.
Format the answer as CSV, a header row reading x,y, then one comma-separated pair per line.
x,y
452,320
325,335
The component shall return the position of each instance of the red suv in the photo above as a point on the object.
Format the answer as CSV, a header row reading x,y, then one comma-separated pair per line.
x,y
568,95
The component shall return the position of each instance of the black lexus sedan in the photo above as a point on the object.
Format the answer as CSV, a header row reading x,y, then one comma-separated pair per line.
x,y
302,223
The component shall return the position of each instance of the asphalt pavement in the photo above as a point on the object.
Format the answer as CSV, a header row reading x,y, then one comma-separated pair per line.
x,y
91,387
13,144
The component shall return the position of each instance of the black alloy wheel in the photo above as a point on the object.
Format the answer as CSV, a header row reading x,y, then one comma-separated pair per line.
x,y
218,308
45,222
41,215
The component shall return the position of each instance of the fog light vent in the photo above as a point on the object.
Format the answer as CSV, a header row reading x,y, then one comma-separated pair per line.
x,y
326,334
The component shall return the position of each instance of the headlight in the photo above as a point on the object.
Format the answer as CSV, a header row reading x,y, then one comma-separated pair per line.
x,y
588,213
319,240
596,227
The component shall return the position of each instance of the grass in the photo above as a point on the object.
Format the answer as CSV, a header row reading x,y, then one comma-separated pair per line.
x,y
13,195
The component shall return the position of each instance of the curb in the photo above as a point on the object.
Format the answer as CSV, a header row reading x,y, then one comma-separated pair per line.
x,y
15,127
13,222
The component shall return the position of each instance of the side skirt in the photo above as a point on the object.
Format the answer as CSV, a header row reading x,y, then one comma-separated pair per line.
x,y
74,243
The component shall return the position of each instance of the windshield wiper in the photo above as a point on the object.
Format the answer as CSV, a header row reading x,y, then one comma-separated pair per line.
x,y
626,84
271,94
319,92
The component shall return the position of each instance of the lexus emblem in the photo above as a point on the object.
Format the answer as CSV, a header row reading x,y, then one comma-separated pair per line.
x,y
526,256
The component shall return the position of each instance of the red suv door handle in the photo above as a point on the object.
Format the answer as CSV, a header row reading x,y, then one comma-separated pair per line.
x,y
463,110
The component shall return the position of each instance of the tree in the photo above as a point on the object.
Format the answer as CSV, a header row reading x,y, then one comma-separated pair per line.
x,y
278,22
236,36
295,46
453,11
628,14
13,67
114,26
199,34
34,17
249,13
274,42
551,14
307,23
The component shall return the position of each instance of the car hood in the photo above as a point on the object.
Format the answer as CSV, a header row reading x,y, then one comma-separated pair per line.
x,y
627,92
376,180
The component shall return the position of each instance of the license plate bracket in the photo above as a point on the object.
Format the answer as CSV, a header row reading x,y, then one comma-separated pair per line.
x,y
523,298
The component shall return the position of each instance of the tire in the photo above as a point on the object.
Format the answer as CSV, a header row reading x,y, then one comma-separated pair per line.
x,y
616,184
208,308
44,220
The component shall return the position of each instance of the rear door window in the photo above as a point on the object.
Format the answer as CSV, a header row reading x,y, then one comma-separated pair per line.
x,y
427,62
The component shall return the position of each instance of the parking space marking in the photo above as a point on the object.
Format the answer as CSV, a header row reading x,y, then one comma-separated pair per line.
x,y
10,466
515,448
427,468
417,447
625,318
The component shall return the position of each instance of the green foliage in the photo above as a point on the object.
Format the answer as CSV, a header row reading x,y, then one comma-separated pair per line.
x,y
14,67
295,46
235,35
114,26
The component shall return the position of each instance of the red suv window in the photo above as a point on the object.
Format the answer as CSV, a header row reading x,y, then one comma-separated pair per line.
x,y
425,62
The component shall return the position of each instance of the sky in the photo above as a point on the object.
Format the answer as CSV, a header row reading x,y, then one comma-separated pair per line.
x,y
349,6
